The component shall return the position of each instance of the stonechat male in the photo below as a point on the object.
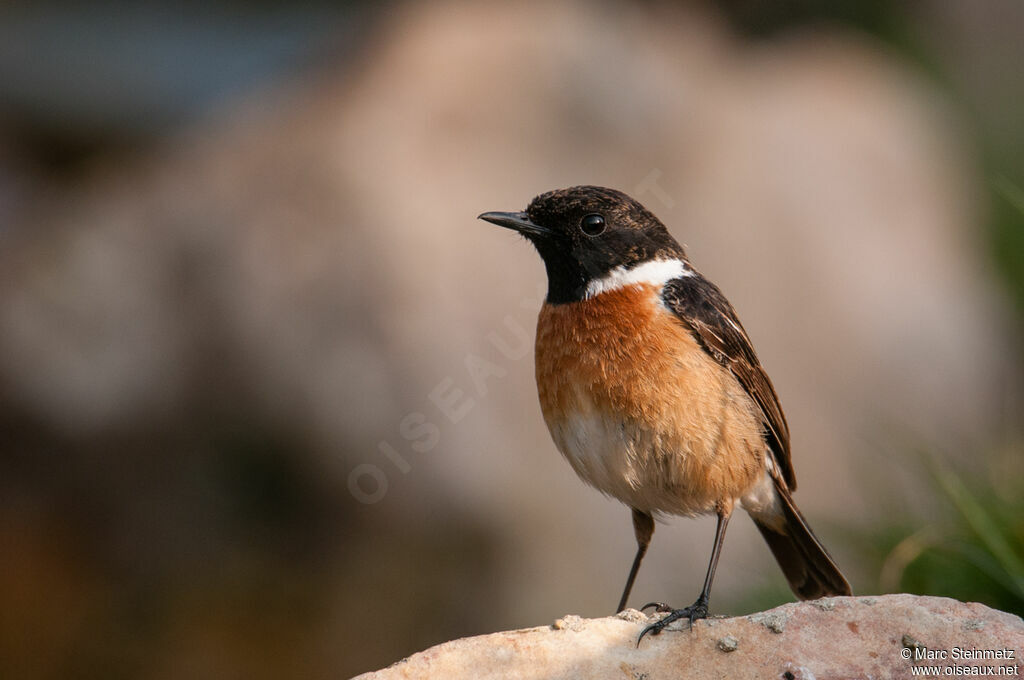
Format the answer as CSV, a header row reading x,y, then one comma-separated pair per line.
x,y
651,389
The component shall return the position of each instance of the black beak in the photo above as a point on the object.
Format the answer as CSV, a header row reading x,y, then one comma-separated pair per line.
x,y
515,220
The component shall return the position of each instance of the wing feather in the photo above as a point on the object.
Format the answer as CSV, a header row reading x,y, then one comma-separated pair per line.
x,y
700,306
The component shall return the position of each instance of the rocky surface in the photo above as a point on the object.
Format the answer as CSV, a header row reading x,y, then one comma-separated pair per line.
x,y
843,637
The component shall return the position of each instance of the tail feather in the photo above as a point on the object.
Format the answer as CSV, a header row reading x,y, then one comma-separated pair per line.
x,y
808,567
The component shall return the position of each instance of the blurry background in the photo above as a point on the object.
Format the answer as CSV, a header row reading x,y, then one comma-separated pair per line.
x,y
266,392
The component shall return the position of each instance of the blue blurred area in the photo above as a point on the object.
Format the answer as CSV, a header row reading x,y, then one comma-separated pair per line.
x,y
129,69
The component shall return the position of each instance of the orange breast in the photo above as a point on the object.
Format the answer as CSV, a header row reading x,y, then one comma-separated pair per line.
x,y
639,409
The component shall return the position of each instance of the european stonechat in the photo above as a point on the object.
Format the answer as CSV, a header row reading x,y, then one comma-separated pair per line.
x,y
651,389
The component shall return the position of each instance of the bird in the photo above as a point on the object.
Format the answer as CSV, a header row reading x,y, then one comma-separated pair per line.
x,y
651,390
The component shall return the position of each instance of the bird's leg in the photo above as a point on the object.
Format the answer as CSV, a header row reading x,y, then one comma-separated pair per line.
x,y
699,609
643,527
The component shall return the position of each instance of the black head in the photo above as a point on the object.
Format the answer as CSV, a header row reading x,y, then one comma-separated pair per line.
x,y
585,232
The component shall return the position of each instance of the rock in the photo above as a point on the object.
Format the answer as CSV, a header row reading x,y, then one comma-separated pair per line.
x,y
728,644
851,637
774,620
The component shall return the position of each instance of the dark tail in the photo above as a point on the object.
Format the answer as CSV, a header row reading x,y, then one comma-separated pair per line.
x,y
805,562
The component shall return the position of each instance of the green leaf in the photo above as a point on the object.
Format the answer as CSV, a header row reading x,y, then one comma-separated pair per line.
x,y
983,525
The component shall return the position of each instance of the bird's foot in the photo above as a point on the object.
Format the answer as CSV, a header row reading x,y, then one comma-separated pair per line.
x,y
697,610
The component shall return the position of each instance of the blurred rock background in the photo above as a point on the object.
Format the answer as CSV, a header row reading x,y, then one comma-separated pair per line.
x,y
266,394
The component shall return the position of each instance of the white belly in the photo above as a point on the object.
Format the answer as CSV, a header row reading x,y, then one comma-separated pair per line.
x,y
629,464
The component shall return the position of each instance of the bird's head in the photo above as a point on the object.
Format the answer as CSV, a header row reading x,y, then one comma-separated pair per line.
x,y
586,233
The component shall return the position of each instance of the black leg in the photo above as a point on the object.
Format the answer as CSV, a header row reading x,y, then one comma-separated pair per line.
x,y
699,609
643,526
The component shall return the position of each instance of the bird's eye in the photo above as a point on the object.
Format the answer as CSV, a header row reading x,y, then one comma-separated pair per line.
x,y
592,224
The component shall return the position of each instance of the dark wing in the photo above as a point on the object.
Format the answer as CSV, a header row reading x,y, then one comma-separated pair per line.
x,y
704,310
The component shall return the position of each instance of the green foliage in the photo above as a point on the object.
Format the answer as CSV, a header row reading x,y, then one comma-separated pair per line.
x,y
1007,235
969,548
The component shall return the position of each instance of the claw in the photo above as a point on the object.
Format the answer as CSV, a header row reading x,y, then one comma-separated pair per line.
x,y
653,629
658,607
